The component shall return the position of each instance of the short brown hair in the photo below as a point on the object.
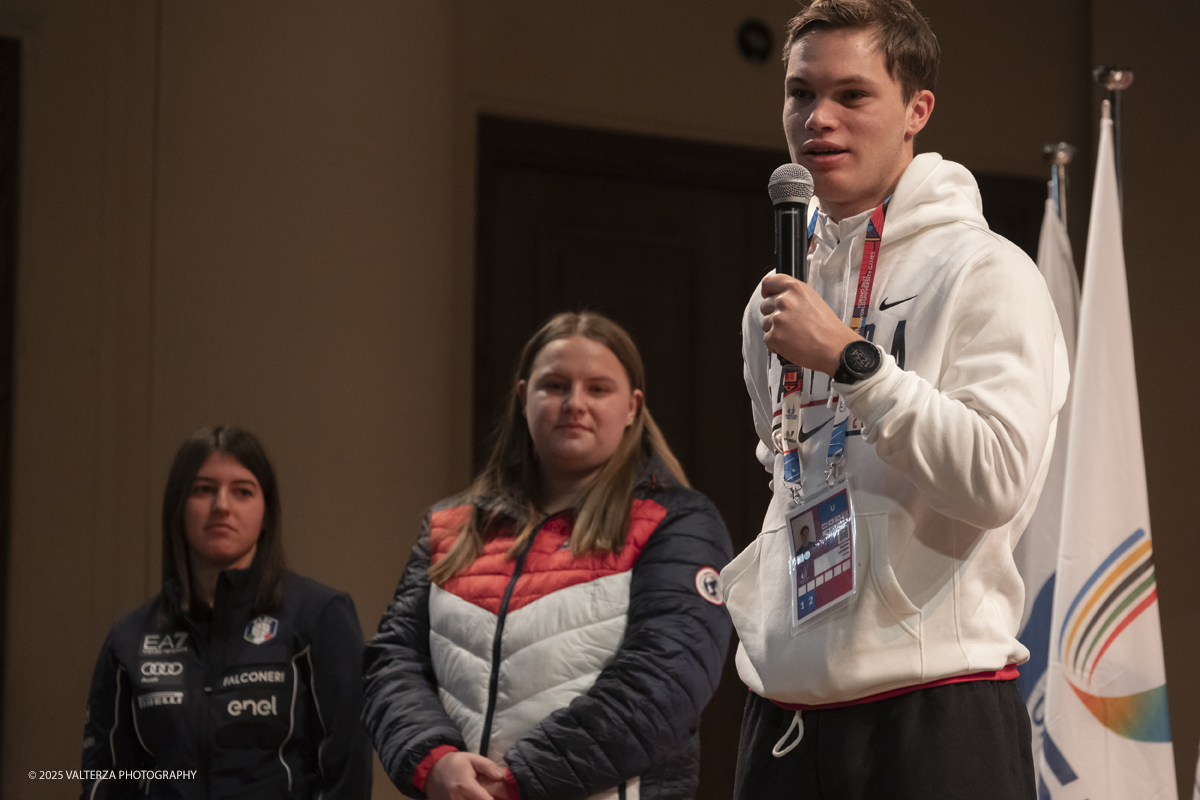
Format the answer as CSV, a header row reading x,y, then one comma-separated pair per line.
x,y
910,50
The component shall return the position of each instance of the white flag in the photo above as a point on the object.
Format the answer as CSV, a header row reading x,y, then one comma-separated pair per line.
x,y
1107,735
1036,554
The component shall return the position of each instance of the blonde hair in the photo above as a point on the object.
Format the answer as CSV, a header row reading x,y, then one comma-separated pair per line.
x,y
510,479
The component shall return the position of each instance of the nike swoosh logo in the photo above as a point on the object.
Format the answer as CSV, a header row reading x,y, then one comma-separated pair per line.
x,y
885,305
806,435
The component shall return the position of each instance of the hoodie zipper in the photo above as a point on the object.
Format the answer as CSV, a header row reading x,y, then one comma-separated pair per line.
x,y
494,678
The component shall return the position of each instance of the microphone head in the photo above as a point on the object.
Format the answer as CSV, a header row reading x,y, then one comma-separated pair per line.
x,y
790,183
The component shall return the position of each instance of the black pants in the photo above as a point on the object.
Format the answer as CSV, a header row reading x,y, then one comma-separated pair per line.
x,y
963,740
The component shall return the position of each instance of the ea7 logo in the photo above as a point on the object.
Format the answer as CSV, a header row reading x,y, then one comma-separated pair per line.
x,y
258,708
162,668
168,644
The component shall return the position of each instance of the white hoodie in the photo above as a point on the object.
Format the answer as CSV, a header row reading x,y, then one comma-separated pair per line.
x,y
958,427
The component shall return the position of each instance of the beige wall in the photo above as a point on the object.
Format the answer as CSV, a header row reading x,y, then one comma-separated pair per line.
x,y
230,212
80,493
262,212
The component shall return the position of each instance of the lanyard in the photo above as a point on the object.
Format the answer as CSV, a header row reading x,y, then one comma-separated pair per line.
x,y
870,262
793,470
787,439
836,454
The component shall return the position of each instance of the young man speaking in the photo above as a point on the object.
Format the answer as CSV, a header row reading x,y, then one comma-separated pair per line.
x,y
906,400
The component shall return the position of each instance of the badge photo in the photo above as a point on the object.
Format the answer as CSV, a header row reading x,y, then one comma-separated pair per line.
x,y
261,629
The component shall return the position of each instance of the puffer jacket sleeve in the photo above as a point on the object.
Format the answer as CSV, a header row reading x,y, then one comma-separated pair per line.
x,y
401,707
109,738
650,695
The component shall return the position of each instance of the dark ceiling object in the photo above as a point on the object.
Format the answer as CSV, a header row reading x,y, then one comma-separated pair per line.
x,y
754,40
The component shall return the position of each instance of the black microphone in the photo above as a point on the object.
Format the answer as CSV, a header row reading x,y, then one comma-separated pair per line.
x,y
791,187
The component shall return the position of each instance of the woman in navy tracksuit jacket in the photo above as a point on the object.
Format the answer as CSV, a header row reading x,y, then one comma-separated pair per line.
x,y
240,679
558,628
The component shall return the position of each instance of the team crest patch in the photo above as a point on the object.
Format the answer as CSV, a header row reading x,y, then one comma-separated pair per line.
x,y
262,629
708,584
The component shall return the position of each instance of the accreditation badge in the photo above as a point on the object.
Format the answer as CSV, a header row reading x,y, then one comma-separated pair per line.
x,y
823,568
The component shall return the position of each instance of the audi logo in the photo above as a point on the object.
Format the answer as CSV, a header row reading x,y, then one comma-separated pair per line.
x,y
151,668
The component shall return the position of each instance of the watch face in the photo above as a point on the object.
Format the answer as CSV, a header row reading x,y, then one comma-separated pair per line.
x,y
862,358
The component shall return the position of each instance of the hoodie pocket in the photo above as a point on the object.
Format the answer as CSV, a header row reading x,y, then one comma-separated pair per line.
x,y
875,526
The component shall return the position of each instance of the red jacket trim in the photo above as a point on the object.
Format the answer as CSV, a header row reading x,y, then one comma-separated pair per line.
x,y
421,773
1009,673
510,784
549,566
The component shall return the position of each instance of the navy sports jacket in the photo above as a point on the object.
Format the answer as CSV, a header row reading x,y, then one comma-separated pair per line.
x,y
259,706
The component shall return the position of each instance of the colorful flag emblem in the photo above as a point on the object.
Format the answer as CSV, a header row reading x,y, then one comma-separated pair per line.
x,y
261,629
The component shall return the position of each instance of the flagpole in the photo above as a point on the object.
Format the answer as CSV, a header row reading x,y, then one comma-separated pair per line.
x,y
1115,80
1059,155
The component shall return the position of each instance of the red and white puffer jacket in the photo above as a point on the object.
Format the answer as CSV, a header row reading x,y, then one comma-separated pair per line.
x,y
586,676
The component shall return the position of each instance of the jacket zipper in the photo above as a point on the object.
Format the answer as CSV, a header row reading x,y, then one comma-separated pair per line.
x,y
217,633
201,705
494,678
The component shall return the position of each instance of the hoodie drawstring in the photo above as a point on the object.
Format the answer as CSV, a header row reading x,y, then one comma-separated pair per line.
x,y
798,726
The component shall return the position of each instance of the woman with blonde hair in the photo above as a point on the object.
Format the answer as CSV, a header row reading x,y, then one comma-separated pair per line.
x,y
558,628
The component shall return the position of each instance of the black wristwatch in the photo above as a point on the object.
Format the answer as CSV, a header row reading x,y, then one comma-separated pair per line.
x,y
859,360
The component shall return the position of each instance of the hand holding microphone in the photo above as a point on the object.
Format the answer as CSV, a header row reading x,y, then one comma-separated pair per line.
x,y
798,325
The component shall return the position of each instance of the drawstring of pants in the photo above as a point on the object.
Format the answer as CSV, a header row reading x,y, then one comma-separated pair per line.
x,y
779,751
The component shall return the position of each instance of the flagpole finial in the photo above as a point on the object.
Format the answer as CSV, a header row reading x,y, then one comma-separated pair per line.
x,y
1112,78
1061,153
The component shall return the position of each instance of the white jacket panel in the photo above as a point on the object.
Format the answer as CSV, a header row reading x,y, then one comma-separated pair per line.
x,y
551,652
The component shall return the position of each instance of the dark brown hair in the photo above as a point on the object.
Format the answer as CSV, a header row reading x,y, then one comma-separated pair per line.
x,y
266,573
910,50
510,480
